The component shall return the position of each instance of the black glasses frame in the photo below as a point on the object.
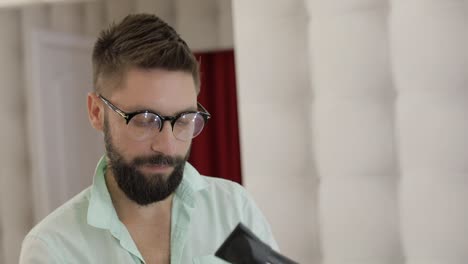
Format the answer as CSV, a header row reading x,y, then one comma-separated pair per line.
x,y
172,119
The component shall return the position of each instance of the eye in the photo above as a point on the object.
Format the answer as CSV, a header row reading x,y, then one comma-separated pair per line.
x,y
186,120
145,120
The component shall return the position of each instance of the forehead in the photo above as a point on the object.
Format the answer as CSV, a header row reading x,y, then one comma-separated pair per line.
x,y
161,90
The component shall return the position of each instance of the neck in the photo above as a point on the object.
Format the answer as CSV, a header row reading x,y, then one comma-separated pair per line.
x,y
130,212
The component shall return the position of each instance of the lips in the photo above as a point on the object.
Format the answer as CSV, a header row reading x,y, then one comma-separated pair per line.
x,y
155,168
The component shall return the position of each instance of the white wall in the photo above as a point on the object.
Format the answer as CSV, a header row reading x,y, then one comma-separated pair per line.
x,y
15,206
388,88
430,66
274,105
353,130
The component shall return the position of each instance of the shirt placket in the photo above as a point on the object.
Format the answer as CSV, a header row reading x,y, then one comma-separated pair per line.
x,y
181,217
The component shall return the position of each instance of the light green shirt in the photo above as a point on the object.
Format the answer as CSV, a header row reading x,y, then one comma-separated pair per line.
x,y
87,229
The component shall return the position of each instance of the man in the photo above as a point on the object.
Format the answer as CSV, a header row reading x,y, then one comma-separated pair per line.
x,y
146,203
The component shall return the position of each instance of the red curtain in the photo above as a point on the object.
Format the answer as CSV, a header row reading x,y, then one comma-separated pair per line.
x,y
216,151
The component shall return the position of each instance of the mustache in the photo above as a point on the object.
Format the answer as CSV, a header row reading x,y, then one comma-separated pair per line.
x,y
161,160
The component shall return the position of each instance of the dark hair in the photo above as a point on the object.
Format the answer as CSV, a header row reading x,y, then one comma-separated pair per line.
x,y
140,41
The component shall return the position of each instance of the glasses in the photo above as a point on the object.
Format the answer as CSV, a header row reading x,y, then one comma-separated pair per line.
x,y
145,124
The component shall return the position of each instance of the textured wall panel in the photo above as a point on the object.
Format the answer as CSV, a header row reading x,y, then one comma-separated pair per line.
x,y
353,132
274,105
429,44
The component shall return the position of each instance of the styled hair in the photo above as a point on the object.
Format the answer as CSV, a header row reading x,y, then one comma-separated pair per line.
x,y
141,41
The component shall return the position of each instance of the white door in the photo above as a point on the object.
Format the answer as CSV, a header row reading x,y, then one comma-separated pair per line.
x,y
64,146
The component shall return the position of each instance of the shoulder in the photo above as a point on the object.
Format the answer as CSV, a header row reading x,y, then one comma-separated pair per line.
x,y
222,192
69,214
58,228
224,187
232,201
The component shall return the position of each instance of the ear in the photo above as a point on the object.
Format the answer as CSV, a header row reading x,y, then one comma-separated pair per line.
x,y
95,111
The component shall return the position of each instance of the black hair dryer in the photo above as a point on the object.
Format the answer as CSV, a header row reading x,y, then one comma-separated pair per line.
x,y
243,247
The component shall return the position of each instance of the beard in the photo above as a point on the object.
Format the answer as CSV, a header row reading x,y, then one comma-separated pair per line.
x,y
140,188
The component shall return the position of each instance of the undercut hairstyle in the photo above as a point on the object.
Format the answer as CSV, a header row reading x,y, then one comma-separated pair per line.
x,y
140,41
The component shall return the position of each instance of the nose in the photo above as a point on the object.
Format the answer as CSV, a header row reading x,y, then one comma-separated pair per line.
x,y
164,141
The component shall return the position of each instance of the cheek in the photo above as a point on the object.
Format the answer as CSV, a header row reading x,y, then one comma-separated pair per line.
x,y
121,141
119,132
135,148
185,145
185,148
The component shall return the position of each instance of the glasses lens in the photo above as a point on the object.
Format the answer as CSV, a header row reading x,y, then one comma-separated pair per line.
x,y
188,126
144,125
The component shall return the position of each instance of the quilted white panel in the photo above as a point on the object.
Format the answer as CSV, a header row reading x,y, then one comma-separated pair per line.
x,y
274,105
430,48
353,132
